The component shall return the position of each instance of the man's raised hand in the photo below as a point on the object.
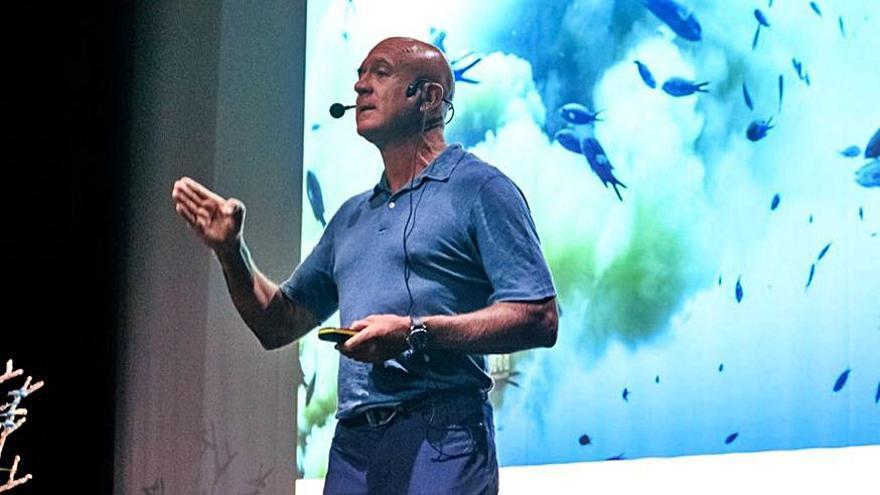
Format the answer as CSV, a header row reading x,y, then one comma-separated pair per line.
x,y
216,220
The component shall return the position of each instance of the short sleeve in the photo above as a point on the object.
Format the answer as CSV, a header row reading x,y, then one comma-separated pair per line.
x,y
311,283
508,243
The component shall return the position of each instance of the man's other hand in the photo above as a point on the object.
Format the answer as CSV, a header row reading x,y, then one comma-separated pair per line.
x,y
217,221
379,338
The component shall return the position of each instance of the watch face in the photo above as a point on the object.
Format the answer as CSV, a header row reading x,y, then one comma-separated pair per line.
x,y
418,339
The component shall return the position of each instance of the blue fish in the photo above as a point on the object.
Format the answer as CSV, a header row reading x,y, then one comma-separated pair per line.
x,y
625,394
677,17
598,161
824,251
872,149
780,92
677,86
800,71
578,114
762,19
841,380
798,68
584,440
720,367
719,279
815,9
840,24
738,291
810,278
646,75
458,72
877,394
730,438
316,199
310,388
569,140
861,213
869,174
758,129
315,127
775,202
747,97
811,219
851,152
657,379
762,22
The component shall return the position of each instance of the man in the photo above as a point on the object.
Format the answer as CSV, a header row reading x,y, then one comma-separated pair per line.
x,y
435,267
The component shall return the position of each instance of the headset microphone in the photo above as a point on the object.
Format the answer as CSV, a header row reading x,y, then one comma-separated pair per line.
x,y
337,110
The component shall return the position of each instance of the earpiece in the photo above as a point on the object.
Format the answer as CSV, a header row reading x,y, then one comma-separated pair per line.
x,y
414,86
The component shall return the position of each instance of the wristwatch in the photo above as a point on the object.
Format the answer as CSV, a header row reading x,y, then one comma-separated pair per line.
x,y
418,338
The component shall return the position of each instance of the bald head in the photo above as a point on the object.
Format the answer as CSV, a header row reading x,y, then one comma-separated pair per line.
x,y
423,60
405,87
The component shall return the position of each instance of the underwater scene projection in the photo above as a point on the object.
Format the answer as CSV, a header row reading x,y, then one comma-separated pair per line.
x,y
704,178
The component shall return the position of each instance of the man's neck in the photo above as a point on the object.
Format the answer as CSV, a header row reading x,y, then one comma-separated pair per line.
x,y
400,156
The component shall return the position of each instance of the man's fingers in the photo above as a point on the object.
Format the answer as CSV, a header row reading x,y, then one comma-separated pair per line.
x,y
182,211
191,206
187,215
186,209
351,343
196,207
196,204
184,191
200,190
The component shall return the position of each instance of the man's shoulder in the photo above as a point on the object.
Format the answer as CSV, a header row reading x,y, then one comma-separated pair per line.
x,y
475,171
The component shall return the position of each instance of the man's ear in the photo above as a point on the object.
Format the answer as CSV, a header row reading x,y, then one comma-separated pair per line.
x,y
432,96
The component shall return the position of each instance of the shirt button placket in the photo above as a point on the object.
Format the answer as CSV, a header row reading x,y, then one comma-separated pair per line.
x,y
386,218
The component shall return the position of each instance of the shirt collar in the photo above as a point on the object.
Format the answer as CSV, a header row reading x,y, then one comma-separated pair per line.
x,y
440,169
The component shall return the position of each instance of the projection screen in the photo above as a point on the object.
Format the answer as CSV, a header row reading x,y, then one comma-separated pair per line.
x,y
703,179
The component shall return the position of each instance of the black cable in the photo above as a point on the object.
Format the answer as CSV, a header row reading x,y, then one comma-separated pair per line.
x,y
451,108
408,228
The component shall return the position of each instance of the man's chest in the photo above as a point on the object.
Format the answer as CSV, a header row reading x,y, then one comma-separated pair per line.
x,y
424,228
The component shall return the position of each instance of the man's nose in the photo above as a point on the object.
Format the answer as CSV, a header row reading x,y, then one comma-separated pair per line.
x,y
361,86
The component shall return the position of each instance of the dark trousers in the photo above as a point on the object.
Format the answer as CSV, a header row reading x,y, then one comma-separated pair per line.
x,y
443,445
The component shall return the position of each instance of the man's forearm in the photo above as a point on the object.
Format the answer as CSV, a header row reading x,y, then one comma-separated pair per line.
x,y
274,320
502,328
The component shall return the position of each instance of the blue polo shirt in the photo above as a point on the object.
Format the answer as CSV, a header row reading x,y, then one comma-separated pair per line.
x,y
472,243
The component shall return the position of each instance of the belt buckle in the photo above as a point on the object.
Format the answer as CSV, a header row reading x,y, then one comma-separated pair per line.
x,y
380,416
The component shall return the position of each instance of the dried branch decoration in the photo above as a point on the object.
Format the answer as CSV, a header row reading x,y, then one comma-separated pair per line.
x,y
11,419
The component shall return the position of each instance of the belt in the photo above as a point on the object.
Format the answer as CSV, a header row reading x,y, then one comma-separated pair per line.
x,y
382,415
376,416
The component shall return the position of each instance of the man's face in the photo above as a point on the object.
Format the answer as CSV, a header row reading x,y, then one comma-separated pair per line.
x,y
383,110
